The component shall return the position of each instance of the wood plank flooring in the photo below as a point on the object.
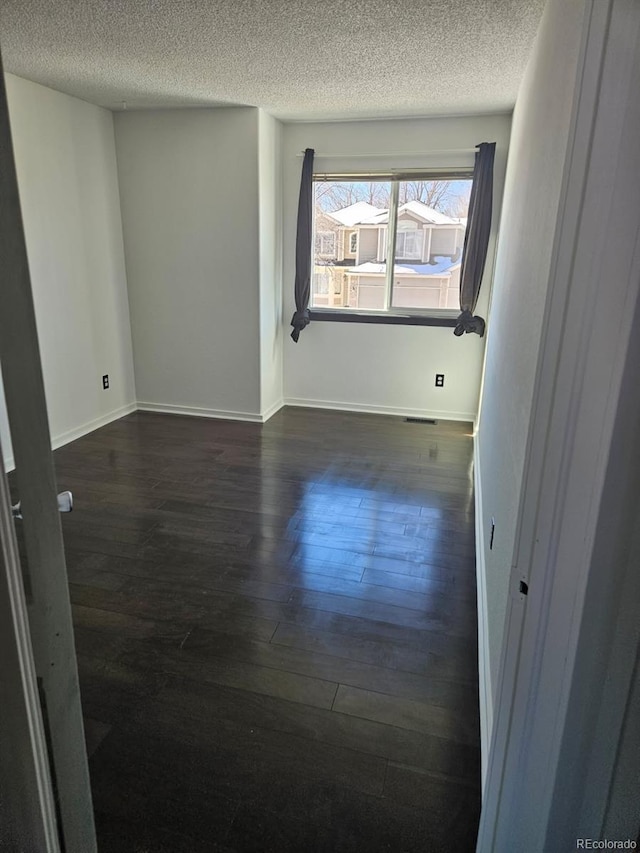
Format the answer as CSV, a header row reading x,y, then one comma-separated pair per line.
x,y
276,632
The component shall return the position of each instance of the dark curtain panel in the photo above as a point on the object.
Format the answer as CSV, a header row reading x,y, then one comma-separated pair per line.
x,y
302,290
476,240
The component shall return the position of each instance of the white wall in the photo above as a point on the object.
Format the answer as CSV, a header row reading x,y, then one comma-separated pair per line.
x,y
385,368
537,154
189,191
270,209
65,159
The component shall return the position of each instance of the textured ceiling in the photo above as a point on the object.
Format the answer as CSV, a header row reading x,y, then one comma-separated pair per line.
x,y
298,59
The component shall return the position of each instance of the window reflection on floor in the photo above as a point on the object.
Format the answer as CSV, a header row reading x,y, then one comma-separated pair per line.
x,y
355,527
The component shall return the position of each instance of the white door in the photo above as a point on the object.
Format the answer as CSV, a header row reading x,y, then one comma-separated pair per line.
x,y
563,728
44,780
27,811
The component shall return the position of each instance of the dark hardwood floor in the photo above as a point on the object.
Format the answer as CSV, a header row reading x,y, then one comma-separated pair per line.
x,y
276,632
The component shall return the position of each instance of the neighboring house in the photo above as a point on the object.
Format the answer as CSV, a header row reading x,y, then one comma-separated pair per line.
x,y
351,252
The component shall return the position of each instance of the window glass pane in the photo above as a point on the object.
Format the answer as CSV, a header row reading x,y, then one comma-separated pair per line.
x,y
432,217
350,230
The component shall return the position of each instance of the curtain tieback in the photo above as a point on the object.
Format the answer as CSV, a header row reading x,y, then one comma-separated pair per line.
x,y
467,322
299,321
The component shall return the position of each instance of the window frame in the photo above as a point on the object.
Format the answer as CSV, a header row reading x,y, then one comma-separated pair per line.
x,y
388,314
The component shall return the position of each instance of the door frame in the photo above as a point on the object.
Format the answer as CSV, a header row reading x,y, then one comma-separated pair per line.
x,y
48,605
27,808
550,776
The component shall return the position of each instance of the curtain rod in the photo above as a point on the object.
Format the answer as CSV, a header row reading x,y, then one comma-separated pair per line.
x,y
398,154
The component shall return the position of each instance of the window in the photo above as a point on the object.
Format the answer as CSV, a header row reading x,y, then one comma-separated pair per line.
x,y
325,243
422,216
323,283
409,243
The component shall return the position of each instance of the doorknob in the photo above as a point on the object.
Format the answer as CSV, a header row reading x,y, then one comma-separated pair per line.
x,y
65,501
65,504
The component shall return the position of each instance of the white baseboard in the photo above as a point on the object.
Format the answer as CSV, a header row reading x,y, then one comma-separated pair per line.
x,y
221,414
484,671
271,411
72,434
380,410
252,417
196,412
62,438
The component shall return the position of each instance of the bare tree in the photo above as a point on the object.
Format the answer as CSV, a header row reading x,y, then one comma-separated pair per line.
x,y
378,194
336,195
448,197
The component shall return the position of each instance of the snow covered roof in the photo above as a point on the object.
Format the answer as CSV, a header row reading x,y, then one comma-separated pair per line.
x,y
356,213
417,208
442,265
429,214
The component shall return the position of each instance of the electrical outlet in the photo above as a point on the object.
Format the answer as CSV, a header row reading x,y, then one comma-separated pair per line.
x,y
439,380
105,382
493,530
